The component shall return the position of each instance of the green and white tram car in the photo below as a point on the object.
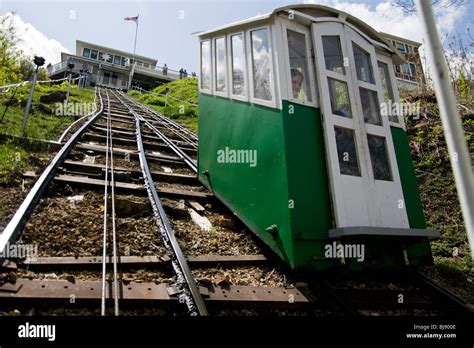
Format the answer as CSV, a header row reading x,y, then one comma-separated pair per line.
x,y
293,139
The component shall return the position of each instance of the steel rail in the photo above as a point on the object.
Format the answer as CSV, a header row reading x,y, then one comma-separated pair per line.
x,y
185,278
188,160
169,127
24,211
193,297
104,240
114,232
160,117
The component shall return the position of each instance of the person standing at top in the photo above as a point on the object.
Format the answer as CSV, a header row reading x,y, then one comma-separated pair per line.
x,y
165,70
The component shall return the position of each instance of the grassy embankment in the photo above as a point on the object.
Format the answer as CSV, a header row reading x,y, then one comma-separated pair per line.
x,y
43,123
184,112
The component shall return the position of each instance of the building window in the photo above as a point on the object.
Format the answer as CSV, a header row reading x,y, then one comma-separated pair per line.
x,y
101,56
206,65
238,64
400,46
109,58
411,49
387,91
117,60
406,69
123,61
333,54
86,52
300,84
363,64
221,71
146,65
261,65
412,69
94,54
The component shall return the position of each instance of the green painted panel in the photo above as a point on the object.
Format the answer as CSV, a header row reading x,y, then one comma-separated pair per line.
x,y
306,171
257,194
411,193
419,253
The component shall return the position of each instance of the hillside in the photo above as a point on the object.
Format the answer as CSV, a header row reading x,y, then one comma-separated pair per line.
x,y
437,186
180,105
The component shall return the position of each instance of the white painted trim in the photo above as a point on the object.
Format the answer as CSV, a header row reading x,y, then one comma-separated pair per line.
x,y
224,94
202,90
342,21
244,97
276,60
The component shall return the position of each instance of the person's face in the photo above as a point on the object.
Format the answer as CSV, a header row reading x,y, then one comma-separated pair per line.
x,y
296,82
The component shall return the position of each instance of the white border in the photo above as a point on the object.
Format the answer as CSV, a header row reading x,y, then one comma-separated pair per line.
x,y
202,90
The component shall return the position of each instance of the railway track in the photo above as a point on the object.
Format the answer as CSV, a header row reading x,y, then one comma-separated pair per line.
x,y
123,227
110,215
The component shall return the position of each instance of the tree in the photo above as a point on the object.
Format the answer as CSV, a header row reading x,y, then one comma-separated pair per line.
x,y
26,69
409,5
9,55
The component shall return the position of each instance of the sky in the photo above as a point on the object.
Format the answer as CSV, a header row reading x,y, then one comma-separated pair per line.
x,y
48,27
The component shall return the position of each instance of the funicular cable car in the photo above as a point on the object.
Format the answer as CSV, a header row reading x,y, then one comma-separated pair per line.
x,y
293,138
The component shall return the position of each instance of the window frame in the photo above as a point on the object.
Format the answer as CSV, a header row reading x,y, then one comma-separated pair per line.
x,y
113,60
253,100
224,94
97,54
85,48
211,82
393,81
230,75
296,27
401,43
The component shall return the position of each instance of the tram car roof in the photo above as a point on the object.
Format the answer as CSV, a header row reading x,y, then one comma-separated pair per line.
x,y
310,13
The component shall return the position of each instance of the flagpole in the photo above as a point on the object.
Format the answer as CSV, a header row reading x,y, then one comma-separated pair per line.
x,y
135,44
132,70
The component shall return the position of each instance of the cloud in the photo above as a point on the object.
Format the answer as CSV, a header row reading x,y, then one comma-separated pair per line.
x,y
391,19
33,42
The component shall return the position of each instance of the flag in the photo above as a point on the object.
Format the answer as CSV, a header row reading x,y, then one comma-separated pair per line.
x,y
135,19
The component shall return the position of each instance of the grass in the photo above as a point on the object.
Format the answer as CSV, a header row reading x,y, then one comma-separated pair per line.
x,y
437,185
17,155
42,123
184,111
